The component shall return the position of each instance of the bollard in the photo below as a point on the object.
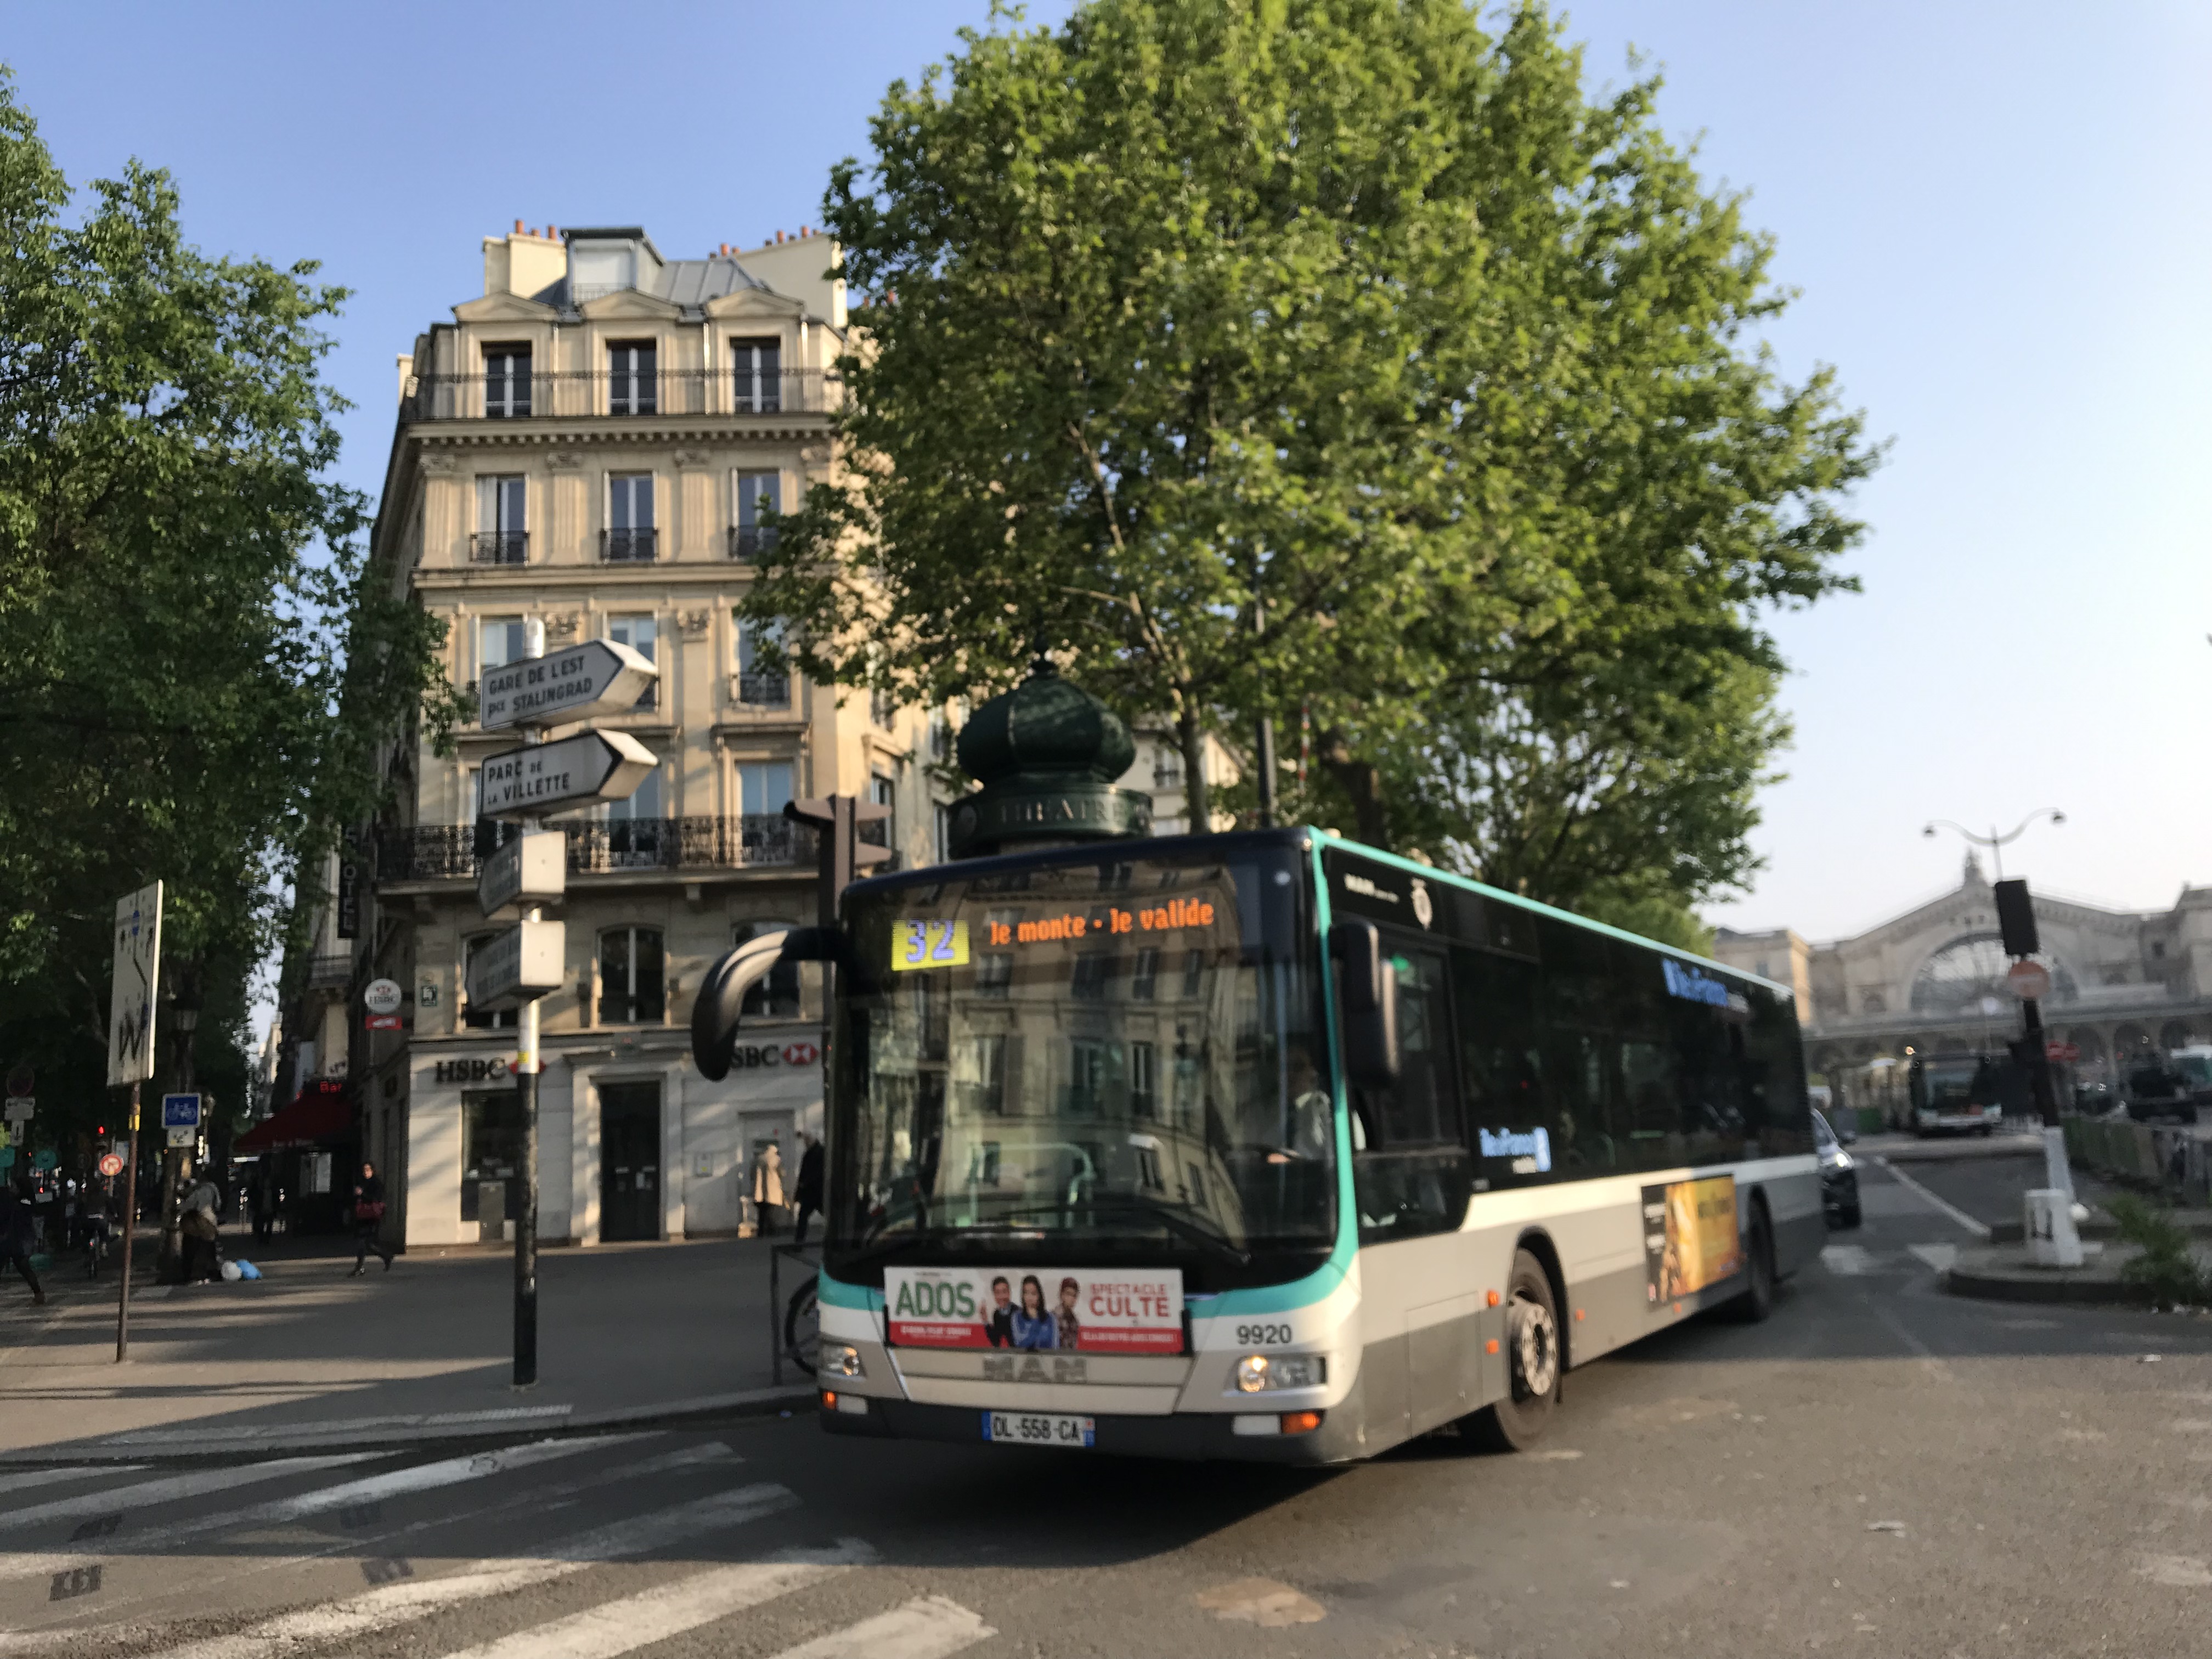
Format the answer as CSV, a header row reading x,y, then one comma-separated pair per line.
x,y
2052,1241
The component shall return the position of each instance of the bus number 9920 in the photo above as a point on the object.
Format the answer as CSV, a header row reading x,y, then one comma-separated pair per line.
x,y
1260,1336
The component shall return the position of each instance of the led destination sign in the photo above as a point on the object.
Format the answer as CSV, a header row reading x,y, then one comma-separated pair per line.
x,y
935,942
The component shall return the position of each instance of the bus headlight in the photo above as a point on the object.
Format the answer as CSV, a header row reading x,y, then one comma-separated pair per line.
x,y
1258,1371
838,1360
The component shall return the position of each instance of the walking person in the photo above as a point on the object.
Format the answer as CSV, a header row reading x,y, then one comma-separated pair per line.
x,y
768,1187
806,1195
265,1196
368,1219
15,1238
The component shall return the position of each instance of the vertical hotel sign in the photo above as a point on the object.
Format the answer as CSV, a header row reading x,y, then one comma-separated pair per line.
x,y
131,1002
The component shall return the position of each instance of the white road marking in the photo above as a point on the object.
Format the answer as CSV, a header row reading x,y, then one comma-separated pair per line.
x,y
423,1477
614,1628
169,1488
407,1599
1941,1257
1978,1230
504,1416
930,1628
390,1543
30,1478
1849,1260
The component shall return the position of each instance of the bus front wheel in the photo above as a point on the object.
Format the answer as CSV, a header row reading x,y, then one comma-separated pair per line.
x,y
1533,1363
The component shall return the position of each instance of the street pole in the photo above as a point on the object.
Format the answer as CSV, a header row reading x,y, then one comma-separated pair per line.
x,y
1266,745
2038,1065
526,1084
130,1228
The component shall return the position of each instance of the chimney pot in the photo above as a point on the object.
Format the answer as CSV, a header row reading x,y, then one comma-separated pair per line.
x,y
517,226
779,236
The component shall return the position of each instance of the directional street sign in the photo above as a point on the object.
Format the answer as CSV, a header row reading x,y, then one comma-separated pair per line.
x,y
583,770
180,1111
526,961
20,1108
131,1002
596,677
531,869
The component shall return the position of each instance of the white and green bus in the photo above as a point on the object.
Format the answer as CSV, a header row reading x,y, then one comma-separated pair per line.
x,y
1270,1145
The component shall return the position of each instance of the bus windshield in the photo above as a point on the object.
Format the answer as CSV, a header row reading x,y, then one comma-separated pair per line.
x,y
1090,1057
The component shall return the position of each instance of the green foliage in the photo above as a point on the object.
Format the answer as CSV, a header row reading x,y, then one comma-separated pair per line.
x,y
2166,1267
1334,357
182,613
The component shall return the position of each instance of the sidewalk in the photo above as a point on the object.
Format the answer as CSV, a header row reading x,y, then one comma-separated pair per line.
x,y
310,1356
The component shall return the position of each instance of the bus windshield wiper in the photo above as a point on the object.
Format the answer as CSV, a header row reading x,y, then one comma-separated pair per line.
x,y
1181,1225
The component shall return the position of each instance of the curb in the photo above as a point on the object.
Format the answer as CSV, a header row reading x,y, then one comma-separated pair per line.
x,y
1976,1274
397,1433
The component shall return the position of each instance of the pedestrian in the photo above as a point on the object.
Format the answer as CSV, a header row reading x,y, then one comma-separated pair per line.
x,y
201,1231
266,1197
806,1196
368,1219
767,1186
15,1238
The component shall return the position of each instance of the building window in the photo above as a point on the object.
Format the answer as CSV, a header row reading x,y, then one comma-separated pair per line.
x,y
979,1083
757,502
1088,979
1144,981
941,833
765,834
483,1019
633,383
1144,1092
507,382
2157,948
637,631
884,793
759,685
1194,972
764,787
775,997
1167,770
499,642
630,977
503,530
630,533
757,366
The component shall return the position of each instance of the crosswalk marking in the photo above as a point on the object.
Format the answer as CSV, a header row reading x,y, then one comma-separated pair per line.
x,y
169,1488
31,1478
408,1600
423,1477
930,1628
614,1628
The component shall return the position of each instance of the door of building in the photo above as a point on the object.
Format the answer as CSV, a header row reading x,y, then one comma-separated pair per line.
x,y
629,1161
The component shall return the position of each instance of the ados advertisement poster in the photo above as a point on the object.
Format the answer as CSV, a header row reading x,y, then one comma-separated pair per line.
x,y
1689,1236
1063,1310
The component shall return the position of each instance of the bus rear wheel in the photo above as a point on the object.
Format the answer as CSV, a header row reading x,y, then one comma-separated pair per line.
x,y
1757,1300
1533,1363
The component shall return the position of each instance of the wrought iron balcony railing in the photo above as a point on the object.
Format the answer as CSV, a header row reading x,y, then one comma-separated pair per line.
x,y
762,690
750,541
575,393
499,547
329,971
447,852
628,546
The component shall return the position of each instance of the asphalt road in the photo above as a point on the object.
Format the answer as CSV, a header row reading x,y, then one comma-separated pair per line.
x,y
1880,1469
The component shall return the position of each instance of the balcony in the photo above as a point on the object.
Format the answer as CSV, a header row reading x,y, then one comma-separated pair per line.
x,y
499,547
754,691
750,541
754,841
329,971
628,546
622,394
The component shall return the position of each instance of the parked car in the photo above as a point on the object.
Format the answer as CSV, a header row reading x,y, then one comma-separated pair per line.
x,y
2160,1091
1839,1176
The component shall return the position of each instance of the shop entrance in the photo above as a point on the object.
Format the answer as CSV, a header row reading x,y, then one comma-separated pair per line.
x,y
629,1161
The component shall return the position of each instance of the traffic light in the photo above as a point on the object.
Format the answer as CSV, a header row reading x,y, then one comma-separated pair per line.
x,y
843,855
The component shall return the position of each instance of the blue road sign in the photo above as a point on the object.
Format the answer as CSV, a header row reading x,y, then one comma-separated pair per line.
x,y
180,1111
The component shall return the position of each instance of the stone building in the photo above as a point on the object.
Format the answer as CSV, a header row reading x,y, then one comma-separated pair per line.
x,y
2124,985
592,445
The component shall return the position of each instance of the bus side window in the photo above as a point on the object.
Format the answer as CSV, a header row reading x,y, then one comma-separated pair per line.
x,y
1411,1175
1504,1065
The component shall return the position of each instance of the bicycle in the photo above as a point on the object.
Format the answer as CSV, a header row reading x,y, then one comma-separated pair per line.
x,y
95,1246
802,1323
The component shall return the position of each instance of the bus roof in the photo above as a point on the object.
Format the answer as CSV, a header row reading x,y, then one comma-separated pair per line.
x,y
1307,836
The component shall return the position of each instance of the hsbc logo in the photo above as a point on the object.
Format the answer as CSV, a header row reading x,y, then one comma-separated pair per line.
x,y
791,1053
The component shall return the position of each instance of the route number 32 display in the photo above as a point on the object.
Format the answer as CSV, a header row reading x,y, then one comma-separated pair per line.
x,y
928,943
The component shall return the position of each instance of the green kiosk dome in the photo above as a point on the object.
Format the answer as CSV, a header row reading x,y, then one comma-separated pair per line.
x,y
1046,754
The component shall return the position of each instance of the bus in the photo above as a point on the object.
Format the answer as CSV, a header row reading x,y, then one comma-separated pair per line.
x,y
1270,1145
1963,1092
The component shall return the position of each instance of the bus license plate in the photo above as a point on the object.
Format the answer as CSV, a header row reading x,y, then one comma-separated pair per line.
x,y
1038,1429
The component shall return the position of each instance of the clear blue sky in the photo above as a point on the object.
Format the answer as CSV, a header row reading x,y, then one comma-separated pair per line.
x,y
1996,213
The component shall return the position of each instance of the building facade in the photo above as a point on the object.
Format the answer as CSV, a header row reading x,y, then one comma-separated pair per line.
x,y
592,444
2125,986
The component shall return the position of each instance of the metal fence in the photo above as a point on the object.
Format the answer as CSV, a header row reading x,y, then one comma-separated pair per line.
x,y
2175,1159
446,852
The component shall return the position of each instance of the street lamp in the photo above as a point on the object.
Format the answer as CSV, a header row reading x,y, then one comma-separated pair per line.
x,y
1996,842
184,1000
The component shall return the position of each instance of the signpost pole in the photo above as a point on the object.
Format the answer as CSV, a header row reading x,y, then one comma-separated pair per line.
x,y
525,1084
130,1227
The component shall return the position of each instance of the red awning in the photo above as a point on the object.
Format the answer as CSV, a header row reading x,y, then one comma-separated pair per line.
x,y
318,1116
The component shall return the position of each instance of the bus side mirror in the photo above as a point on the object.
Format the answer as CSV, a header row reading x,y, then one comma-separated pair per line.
x,y
722,992
1367,1004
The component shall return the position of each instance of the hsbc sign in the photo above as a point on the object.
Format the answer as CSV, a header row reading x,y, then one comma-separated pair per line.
x,y
752,1057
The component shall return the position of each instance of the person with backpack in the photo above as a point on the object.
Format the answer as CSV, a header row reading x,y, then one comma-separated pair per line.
x,y
15,1238
201,1231
368,1219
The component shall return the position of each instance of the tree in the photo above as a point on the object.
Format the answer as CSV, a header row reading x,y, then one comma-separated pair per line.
x,y
1351,313
181,608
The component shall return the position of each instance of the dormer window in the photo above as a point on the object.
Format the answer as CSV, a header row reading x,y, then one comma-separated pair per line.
x,y
758,365
633,381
